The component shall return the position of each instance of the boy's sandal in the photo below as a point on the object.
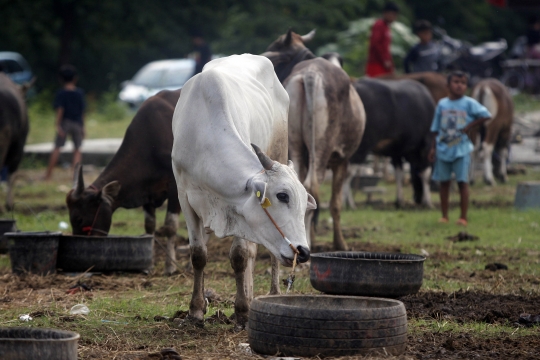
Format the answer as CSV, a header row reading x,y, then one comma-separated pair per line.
x,y
443,220
461,222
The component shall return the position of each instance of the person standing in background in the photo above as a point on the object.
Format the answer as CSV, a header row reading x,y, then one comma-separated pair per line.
x,y
69,105
202,51
424,56
379,58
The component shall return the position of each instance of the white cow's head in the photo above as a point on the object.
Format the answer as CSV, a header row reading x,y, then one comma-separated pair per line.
x,y
278,185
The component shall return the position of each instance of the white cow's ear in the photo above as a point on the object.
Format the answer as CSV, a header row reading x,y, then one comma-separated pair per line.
x,y
311,203
290,164
259,187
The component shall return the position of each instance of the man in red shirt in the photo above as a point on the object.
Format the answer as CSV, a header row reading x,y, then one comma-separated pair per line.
x,y
379,58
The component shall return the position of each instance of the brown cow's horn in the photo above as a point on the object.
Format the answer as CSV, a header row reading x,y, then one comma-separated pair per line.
x,y
265,160
309,36
288,38
78,181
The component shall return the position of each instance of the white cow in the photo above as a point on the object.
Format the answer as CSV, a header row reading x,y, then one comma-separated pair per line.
x,y
222,183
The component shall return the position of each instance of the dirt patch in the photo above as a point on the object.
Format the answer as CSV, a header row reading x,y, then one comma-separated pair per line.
x,y
447,345
467,306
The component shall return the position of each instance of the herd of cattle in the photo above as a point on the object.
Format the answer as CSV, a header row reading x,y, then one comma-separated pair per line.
x,y
218,150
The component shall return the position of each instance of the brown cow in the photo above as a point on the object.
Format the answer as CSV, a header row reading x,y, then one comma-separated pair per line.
x,y
140,174
13,130
436,83
326,120
495,134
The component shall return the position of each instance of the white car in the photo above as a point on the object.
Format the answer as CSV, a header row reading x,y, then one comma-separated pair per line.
x,y
154,77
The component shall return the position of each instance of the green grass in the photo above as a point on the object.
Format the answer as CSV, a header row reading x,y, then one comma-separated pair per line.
x,y
128,305
524,102
104,118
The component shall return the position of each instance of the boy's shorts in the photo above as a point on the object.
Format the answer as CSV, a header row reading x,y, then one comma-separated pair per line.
x,y
460,167
73,129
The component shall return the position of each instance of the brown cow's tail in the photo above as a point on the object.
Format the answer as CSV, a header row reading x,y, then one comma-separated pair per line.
x,y
312,84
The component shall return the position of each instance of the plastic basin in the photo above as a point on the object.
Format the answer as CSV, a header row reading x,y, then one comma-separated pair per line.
x,y
32,343
105,253
33,252
366,273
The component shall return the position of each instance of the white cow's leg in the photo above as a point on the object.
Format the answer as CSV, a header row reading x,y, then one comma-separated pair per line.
x,y
487,152
274,285
197,244
242,256
503,170
425,176
171,222
399,185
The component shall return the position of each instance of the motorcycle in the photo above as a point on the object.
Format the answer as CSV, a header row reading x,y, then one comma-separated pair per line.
x,y
479,61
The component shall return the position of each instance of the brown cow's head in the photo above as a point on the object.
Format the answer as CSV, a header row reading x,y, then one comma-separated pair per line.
x,y
90,210
287,51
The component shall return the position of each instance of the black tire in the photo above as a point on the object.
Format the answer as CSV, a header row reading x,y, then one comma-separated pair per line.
x,y
325,325
388,275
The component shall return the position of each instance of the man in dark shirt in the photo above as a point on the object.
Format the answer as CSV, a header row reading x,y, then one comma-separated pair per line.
x,y
203,54
424,56
69,105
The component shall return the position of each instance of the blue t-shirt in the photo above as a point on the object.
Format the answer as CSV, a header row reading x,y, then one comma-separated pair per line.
x,y
72,101
450,117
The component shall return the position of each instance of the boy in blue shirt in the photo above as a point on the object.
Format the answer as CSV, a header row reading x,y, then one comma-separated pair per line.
x,y
454,117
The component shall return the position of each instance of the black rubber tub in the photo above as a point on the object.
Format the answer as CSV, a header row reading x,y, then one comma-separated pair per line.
x,y
366,273
6,225
326,325
105,253
33,343
33,252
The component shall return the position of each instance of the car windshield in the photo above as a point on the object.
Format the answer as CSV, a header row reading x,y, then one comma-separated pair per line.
x,y
174,75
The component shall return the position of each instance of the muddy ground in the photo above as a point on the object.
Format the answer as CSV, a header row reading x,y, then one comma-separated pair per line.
x,y
462,307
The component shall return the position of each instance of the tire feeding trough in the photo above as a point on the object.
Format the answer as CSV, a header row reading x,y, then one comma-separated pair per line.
x,y
326,325
32,343
105,253
367,273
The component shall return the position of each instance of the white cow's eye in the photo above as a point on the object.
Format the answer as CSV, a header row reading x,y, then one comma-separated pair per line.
x,y
283,197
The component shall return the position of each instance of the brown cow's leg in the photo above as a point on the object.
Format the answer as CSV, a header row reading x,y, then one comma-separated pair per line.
x,y
339,173
242,256
149,219
9,196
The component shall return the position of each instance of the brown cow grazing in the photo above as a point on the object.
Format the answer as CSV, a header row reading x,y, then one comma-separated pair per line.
x,y
326,120
13,130
140,174
495,134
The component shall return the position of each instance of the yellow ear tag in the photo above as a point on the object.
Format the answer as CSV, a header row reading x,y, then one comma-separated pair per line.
x,y
266,203
258,194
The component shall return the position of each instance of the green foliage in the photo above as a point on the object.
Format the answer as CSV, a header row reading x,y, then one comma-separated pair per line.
x,y
353,44
110,40
110,108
